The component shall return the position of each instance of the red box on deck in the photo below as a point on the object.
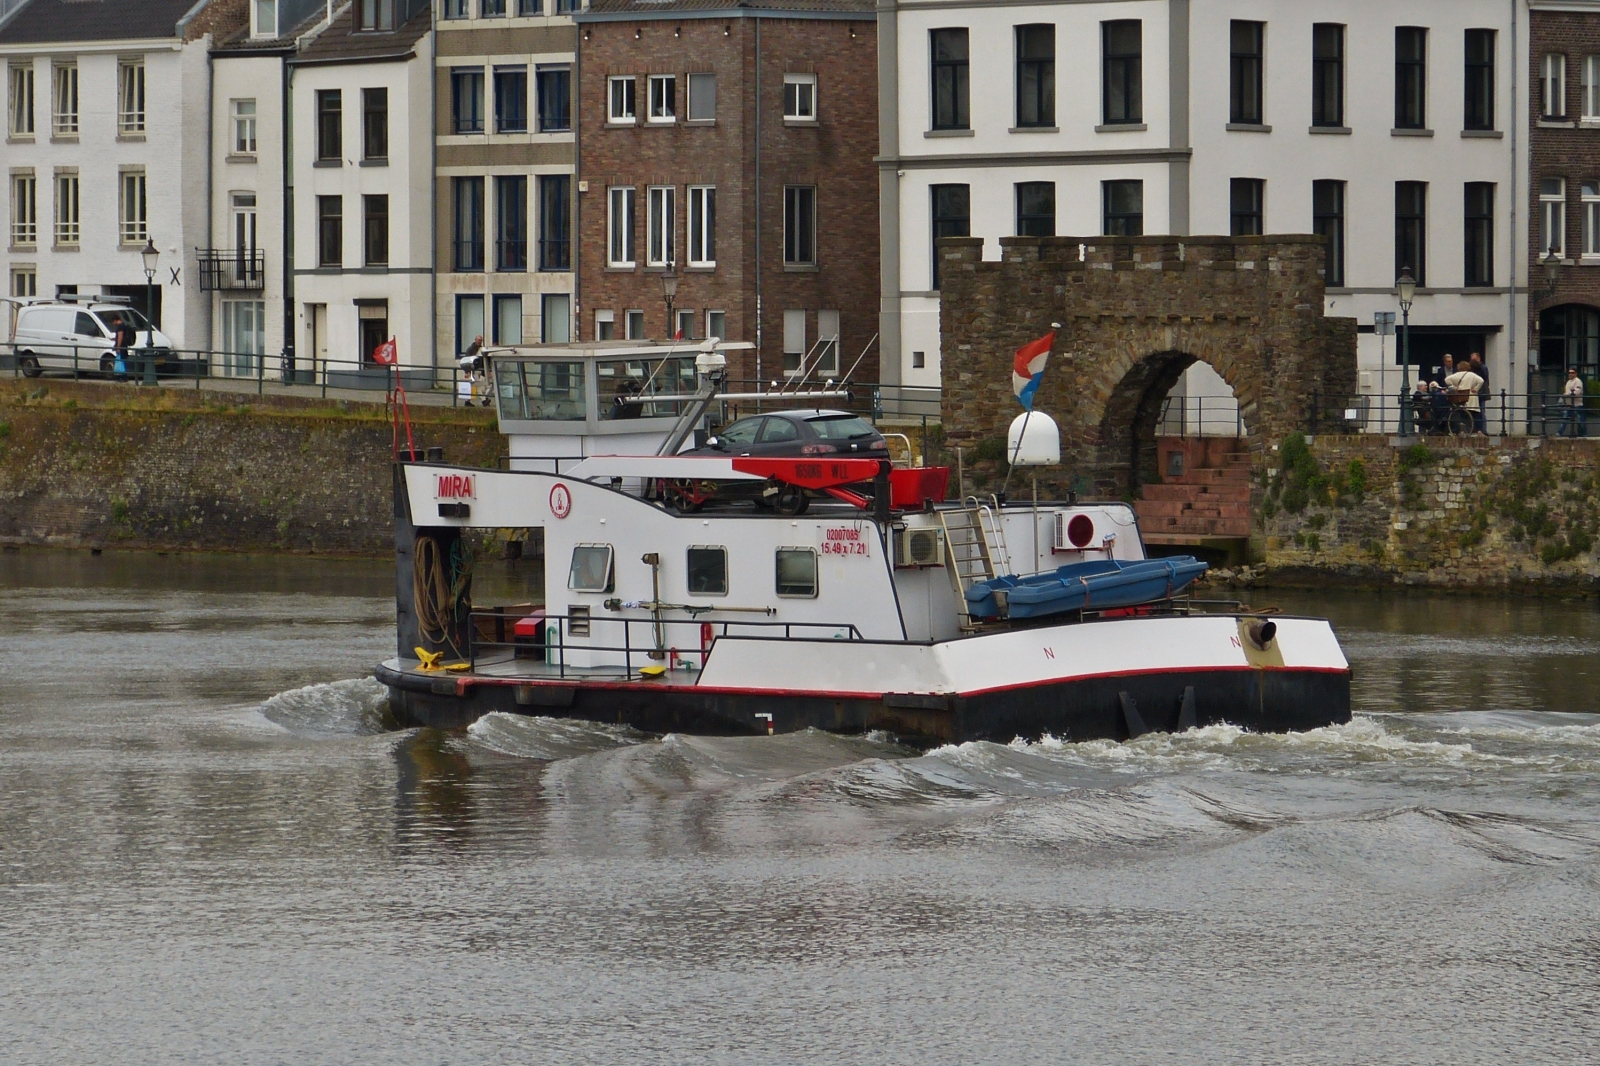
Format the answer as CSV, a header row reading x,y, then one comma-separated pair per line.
x,y
908,487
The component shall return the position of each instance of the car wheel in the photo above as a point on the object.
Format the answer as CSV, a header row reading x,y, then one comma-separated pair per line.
x,y
30,365
108,365
791,500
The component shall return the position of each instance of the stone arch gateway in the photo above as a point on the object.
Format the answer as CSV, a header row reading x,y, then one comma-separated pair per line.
x,y
1135,312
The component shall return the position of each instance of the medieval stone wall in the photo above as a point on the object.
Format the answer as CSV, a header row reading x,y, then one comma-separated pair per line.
x,y
1135,312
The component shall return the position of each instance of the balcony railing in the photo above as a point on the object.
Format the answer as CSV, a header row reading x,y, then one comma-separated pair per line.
x,y
238,270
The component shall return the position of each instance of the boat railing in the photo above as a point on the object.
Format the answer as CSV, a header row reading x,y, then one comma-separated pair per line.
x,y
676,643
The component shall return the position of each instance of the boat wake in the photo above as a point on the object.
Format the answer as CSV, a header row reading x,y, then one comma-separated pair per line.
x,y
357,707
549,739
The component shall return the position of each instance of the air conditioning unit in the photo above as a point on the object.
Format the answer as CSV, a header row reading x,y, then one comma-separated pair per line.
x,y
918,548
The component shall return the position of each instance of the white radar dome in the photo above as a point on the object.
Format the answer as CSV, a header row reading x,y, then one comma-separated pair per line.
x,y
1040,441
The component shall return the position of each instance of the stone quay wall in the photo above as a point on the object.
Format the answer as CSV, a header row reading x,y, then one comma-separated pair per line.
x,y
1464,513
95,466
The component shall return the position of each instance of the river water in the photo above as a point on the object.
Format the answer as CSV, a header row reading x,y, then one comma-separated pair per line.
x,y
213,849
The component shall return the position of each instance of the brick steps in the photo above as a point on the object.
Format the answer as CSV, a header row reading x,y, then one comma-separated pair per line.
x,y
1209,500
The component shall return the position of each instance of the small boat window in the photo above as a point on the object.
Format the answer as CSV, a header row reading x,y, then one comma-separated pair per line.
x,y
797,572
708,571
591,569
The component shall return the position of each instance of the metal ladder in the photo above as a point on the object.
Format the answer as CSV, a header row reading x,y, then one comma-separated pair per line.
x,y
975,550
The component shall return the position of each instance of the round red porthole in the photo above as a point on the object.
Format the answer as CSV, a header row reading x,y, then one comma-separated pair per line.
x,y
1080,531
560,500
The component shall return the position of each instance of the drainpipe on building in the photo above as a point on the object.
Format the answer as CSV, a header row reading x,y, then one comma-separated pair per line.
x,y
1517,248
433,201
286,155
211,147
760,263
575,316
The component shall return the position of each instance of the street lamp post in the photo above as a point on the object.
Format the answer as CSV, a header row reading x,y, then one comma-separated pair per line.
x,y
669,292
149,255
1406,287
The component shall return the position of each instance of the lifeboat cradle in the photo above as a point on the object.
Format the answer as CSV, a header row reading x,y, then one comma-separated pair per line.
x,y
880,606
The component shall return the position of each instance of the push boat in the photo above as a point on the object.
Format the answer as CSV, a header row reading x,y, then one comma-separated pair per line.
x,y
856,598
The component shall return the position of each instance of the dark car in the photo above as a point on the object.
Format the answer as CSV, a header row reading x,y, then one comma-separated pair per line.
x,y
783,434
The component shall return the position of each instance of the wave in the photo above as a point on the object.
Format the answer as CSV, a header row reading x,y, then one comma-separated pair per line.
x,y
549,738
357,707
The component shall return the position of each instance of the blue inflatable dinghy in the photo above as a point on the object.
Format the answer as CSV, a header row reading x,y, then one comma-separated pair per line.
x,y
1094,585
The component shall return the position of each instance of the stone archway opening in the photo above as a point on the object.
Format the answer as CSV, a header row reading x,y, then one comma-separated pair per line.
x,y
1176,438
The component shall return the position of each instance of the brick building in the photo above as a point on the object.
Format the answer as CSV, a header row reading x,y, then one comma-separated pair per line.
x,y
1563,194
731,149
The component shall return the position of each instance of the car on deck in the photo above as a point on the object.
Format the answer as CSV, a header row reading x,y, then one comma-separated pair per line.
x,y
798,434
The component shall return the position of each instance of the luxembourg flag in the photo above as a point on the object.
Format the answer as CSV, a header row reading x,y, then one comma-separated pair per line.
x,y
1029,368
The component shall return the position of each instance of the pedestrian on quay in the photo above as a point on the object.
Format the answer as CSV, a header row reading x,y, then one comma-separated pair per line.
x,y
1574,419
122,339
1465,381
1483,391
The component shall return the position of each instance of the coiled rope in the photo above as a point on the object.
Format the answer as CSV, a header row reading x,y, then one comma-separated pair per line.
x,y
438,590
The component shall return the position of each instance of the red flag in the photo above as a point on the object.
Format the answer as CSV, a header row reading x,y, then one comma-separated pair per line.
x,y
678,336
387,353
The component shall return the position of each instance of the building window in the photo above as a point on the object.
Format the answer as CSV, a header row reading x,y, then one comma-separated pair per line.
x,y
919,360
511,99
797,572
633,324
375,230
1478,113
622,100
555,318
135,214
1553,217
507,319
555,227
375,124
1036,75
1591,219
330,144
1122,72
794,341
703,96
663,98
1123,203
468,206
708,571
1036,209
1589,89
827,360
130,96
372,318
511,222
952,217
530,8
1410,78
466,94
555,99
717,324
244,127
24,210
21,109
456,9
1327,75
24,281
64,111
243,336
1411,229
685,330
330,231
1327,220
702,226
373,15
619,226
492,9
662,225
1478,227
1246,200
266,15
605,325
591,569
799,225
950,79
1553,86
67,204
1246,57
800,97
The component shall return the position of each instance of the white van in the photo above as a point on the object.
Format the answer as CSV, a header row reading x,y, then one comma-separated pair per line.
x,y
78,336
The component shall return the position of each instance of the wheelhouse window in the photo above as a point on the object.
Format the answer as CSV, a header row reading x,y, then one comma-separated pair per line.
x,y
1478,229
1410,78
1246,200
952,217
1478,112
621,100
1123,203
797,572
1246,57
950,76
1036,75
708,571
1411,229
1327,75
1327,220
1036,209
1122,72
591,569
1553,86
551,392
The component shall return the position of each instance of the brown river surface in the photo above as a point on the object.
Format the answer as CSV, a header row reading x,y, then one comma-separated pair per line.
x,y
213,850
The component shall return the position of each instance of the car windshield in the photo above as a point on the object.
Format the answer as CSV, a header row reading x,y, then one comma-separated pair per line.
x,y
841,427
127,314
